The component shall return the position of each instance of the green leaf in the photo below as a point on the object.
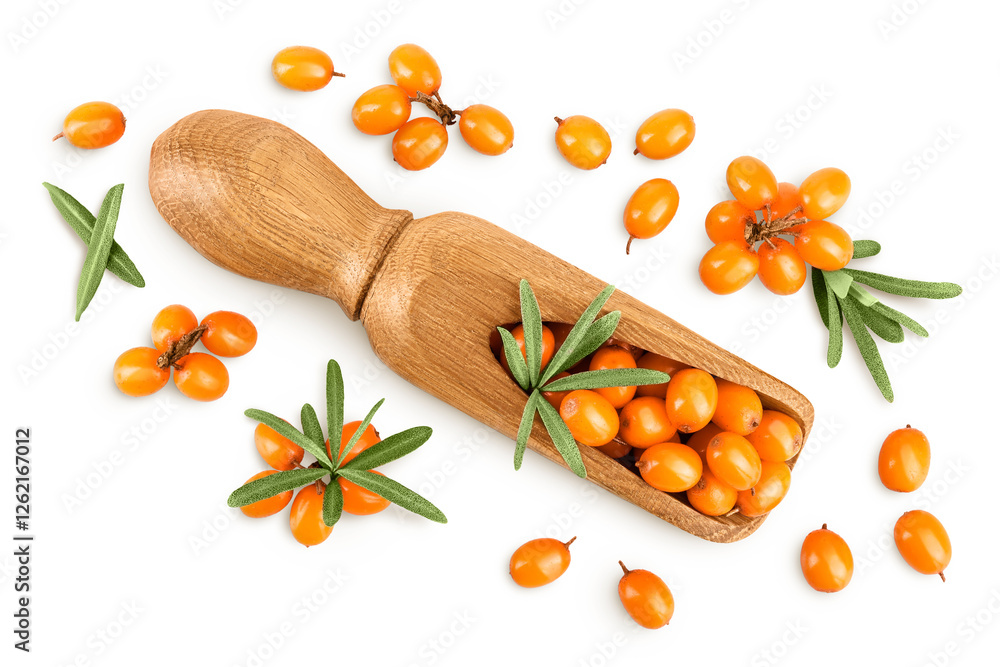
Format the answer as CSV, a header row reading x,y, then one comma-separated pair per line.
x,y
293,434
839,282
835,319
610,377
868,349
272,485
562,438
905,320
531,323
884,327
515,360
902,287
82,222
333,503
559,361
310,425
524,429
359,432
861,295
596,335
822,295
98,249
334,400
864,249
394,447
394,492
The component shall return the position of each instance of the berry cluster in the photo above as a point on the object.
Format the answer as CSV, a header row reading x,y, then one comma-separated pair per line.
x,y
142,371
748,230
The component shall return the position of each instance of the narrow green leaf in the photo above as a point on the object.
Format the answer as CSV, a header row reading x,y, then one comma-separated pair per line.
x,y
272,485
562,438
359,432
284,428
515,360
882,326
82,222
394,492
903,319
524,429
596,335
835,318
559,361
611,377
334,400
310,425
394,447
864,249
902,287
822,294
98,249
861,295
868,349
333,503
839,282
531,323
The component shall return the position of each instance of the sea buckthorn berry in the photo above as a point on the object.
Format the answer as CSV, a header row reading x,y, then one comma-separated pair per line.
x,y
583,142
539,562
692,397
778,438
657,362
136,372
700,440
93,125
170,324
615,449
664,134
306,517
923,542
609,357
728,267
788,200
228,334
824,245
770,489
650,209
419,143
359,500
733,460
277,451
368,438
739,410
302,68
645,597
201,376
751,182
591,419
414,70
644,422
267,506
548,346
823,192
904,459
555,398
381,110
727,221
827,563
670,467
711,496
781,267
486,129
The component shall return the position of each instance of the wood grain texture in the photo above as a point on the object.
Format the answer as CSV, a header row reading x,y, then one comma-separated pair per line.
x,y
258,199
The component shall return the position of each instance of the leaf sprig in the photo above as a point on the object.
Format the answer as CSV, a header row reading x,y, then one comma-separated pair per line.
x,y
357,470
841,295
585,337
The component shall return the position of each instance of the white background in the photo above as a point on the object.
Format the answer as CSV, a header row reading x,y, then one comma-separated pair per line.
x,y
871,87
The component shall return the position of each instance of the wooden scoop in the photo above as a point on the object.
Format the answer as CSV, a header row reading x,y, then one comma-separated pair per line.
x,y
258,199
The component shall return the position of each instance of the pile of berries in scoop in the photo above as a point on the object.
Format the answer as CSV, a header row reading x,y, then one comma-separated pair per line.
x,y
749,231
142,371
703,436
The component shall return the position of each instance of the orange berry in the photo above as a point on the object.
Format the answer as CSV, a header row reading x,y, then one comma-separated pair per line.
x,y
306,517
381,110
660,363
770,489
359,500
664,134
700,440
93,125
486,129
644,422
650,209
539,562
267,506
136,372
788,200
201,376
277,451
609,357
739,410
615,449
904,460
670,467
302,68
778,438
414,70
823,192
734,461
827,563
711,496
728,267
824,245
419,143
923,542
727,221
368,438
170,324
781,267
590,417
692,397
645,597
751,182
583,142
555,398
548,346
228,334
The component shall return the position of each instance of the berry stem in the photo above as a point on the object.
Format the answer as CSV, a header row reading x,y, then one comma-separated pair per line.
x,y
336,73
624,569
59,136
628,246
439,108
180,347
571,541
